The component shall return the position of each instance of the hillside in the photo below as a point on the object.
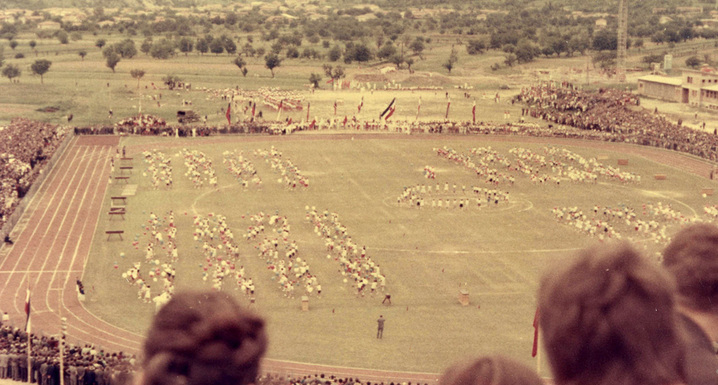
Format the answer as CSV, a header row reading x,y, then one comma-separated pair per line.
x,y
462,5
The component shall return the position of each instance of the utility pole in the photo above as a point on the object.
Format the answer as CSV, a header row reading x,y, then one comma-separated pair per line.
x,y
622,37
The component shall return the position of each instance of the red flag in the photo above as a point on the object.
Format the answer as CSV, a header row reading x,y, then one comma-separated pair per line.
x,y
229,114
308,105
27,311
335,107
361,104
281,104
448,104
390,113
345,121
537,317
254,105
289,121
473,112
314,121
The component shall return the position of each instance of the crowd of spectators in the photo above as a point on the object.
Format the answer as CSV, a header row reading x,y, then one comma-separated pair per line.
x,y
615,113
83,365
607,115
25,147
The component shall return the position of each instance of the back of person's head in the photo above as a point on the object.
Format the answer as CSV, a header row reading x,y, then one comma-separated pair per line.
x,y
203,338
490,370
692,258
608,318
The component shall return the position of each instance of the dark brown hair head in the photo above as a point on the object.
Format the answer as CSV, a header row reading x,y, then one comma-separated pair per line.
x,y
692,258
203,338
609,318
490,370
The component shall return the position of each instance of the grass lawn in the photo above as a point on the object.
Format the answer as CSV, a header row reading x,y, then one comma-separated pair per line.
x,y
426,254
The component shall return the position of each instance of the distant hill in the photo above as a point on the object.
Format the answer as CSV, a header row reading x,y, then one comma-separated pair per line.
x,y
589,5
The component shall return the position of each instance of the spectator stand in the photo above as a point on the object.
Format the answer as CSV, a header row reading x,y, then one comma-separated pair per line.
x,y
14,218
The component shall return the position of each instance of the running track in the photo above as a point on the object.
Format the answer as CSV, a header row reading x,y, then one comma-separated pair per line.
x,y
51,251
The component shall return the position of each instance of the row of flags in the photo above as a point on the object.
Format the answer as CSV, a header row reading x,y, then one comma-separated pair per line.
x,y
386,114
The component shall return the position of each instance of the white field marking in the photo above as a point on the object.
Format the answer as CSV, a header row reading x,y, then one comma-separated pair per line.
x,y
76,214
364,193
38,272
100,186
204,194
695,213
457,252
37,226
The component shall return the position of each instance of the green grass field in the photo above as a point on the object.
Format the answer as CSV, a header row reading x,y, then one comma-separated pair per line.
x,y
498,252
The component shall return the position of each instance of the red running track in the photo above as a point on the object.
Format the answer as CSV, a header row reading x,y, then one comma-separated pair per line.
x,y
51,251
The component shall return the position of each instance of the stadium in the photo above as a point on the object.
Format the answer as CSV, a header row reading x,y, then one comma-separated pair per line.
x,y
425,207
385,222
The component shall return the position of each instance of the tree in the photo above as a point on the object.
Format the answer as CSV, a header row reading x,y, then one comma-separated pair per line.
x,y
526,51
100,43
359,52
111,60
13,44
203,45
185,45
126,48
216,46
417,46
397,60
272,61
146,46
605,40
451,62
171,81
63,37
510,59
33,44
82,54
11,71
40,67
241,64
335,53
409,62
137,74
314,79
693,62
334,72
162,49
475,47
387,51
292,52
228,45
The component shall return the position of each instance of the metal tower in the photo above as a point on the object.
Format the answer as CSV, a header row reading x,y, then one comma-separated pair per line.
x,y
622,34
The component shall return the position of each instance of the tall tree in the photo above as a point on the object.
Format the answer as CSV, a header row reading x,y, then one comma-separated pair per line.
x,y
112,58
272,61
185,45
11,71
40,67
137,74
241,64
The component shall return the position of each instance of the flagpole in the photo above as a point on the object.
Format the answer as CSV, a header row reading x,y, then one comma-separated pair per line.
x,y
28,331
62,339
279,109
538,358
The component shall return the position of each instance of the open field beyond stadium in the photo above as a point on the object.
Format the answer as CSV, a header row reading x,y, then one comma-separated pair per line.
x,y
497,252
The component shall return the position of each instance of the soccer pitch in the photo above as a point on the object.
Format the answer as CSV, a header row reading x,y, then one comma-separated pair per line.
x,y
498,251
